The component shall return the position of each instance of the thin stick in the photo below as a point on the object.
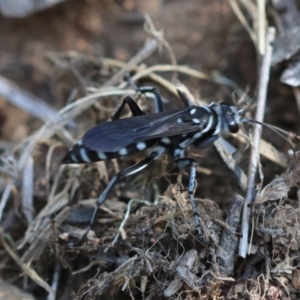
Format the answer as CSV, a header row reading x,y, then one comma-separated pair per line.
x,y
261,26
254,159
25,267
5,197
25,101
125,219
55,280
229,241
28,189
242,19
221,146
296,91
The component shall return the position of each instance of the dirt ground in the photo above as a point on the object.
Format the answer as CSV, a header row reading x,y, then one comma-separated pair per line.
x,y
61,55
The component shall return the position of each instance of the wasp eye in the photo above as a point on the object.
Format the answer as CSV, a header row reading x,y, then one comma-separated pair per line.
x,y
233,127
230,117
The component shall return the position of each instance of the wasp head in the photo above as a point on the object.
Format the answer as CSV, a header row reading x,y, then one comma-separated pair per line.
x,y
230,117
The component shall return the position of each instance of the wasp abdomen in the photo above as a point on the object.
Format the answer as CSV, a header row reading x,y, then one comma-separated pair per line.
x,y
80,154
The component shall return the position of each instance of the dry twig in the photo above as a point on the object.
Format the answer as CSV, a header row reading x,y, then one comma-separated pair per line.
x,y
25,267
254,159
228,241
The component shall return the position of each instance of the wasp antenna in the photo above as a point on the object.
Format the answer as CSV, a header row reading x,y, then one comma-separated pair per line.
x,y
282,133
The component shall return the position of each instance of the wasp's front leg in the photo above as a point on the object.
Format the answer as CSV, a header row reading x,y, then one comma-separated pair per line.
x,y
183,163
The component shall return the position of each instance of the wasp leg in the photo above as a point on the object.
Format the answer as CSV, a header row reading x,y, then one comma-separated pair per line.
x,y
184,94
134,108
126,172
157,96
185,163
148,89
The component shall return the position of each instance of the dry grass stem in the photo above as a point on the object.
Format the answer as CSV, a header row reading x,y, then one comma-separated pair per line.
x,y
254,158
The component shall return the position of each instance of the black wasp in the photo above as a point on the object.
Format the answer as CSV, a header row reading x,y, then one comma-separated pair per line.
x,y
171,131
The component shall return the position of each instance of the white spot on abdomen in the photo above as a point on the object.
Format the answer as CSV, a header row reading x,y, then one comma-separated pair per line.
x,y
166,140
193,111
123,151
74,159
84,156
101,155
141,145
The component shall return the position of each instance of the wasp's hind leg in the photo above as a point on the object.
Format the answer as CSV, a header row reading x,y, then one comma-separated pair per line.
x,y
148,89
157,96
183,163
185,95
134,108
126,172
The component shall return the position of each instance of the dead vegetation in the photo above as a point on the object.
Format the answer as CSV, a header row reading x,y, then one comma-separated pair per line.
x,y
144,245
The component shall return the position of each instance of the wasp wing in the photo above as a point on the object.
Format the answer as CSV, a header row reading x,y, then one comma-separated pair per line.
x,y
117,134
